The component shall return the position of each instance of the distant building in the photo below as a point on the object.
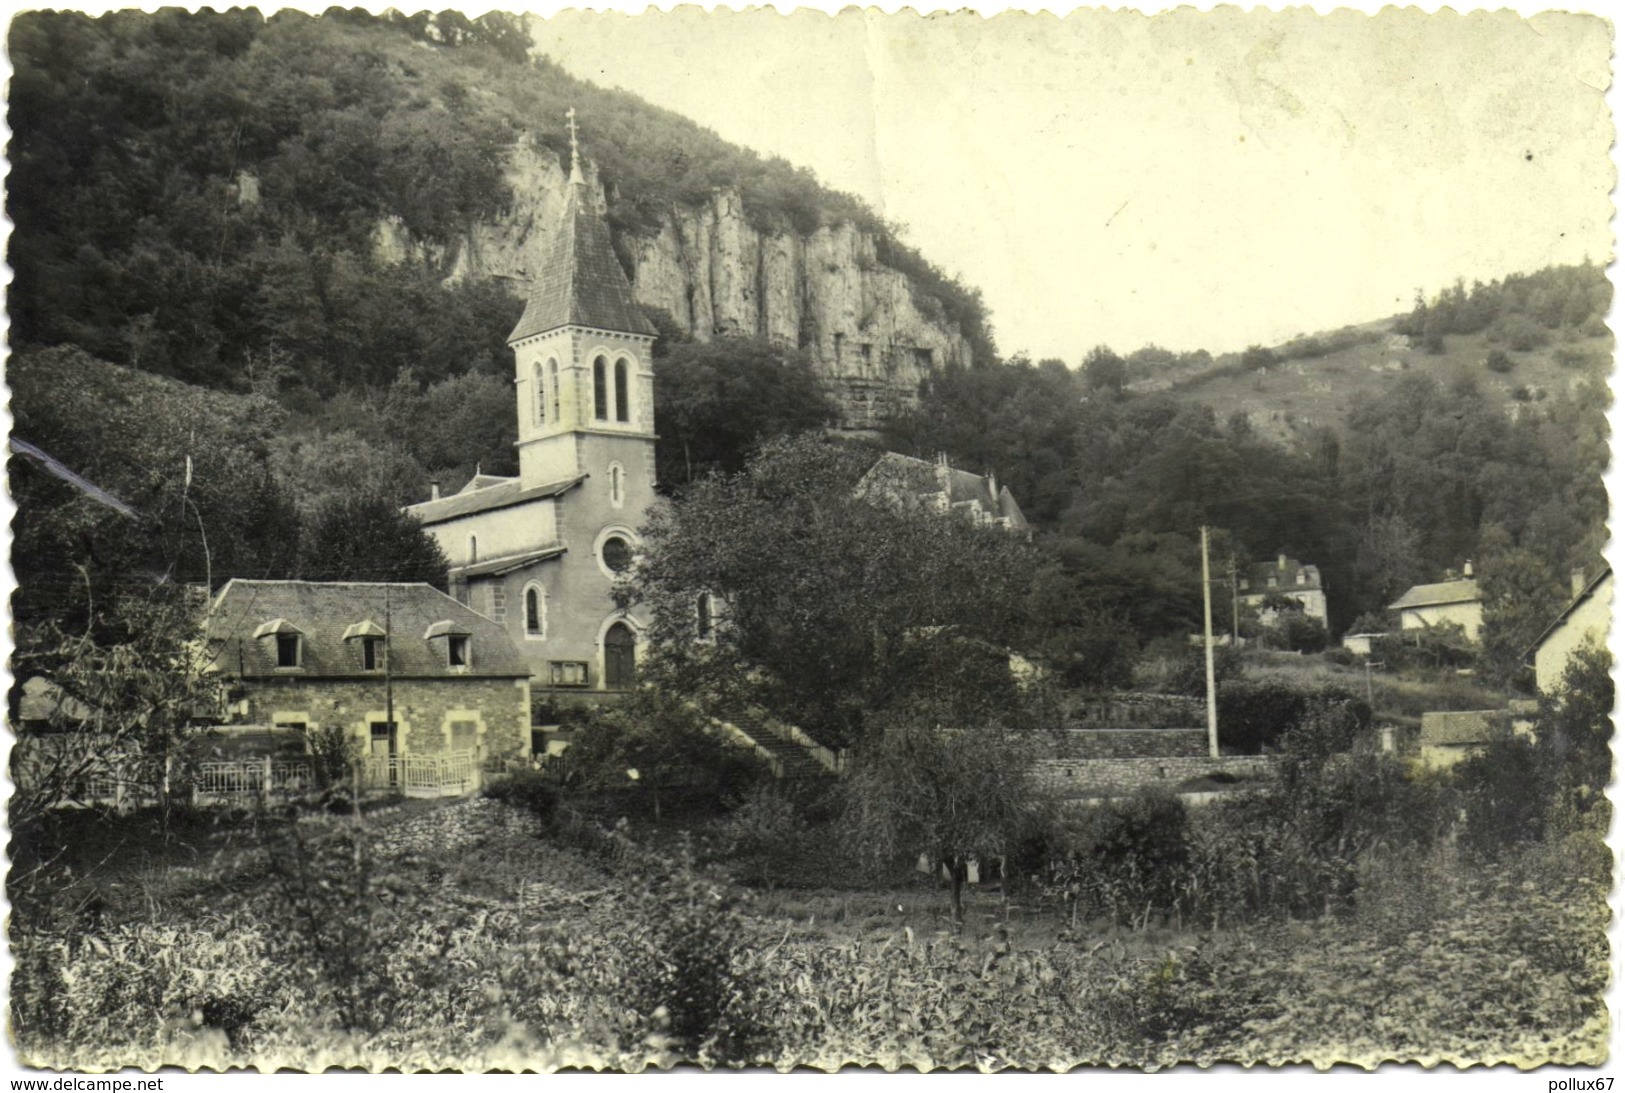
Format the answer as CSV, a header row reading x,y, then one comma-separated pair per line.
x,y
1456,601
306,656
1584,621
1285,577
540,553
1360,644
1449,737
917,485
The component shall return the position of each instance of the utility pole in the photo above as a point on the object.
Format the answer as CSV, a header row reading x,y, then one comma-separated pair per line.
x,y
1235,605
389,681
1207,649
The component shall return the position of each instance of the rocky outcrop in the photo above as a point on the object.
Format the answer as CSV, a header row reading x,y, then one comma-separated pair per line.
x,y
872,336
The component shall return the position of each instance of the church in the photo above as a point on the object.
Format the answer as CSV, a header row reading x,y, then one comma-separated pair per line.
x,y
539,553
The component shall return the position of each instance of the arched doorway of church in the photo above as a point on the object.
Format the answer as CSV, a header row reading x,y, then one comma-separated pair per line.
x,y
620,658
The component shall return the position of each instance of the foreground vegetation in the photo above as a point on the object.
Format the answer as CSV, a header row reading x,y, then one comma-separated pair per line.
x,y
1345,913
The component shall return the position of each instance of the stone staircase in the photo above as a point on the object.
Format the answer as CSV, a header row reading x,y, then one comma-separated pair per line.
x,y
791,761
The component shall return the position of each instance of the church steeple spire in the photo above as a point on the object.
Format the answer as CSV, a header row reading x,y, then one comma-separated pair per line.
x,y
575,150
581,282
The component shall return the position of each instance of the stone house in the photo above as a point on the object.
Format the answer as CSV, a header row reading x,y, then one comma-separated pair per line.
x,y
308,656
1585,620
1457,601
914,485
1446,738
540,553
1287,578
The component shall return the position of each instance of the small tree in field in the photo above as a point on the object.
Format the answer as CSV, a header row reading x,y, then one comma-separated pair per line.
x,y
953,795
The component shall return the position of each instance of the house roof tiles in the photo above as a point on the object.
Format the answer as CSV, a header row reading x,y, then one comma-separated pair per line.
x,y
1465,726
325,612
1438,595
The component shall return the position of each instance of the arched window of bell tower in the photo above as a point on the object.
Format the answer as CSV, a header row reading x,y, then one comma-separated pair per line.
x,y
600,389
553,384
539,409
623,405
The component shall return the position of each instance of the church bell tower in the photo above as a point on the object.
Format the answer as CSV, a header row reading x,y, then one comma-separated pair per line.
x,y
582,360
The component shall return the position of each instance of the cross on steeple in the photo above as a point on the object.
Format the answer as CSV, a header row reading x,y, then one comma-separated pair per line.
x,y
575,151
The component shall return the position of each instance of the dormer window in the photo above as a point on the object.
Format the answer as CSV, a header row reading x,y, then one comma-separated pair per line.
x,y
370,638
459,649
287,650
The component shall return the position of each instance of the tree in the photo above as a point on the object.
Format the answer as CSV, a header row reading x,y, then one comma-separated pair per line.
x,y
715,401
357,537
1576,724
127,691
656,742
1104,370
829,607
952,794
1520,597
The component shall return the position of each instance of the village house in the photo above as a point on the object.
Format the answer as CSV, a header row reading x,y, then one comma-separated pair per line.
x,y
540,553
1456,600
1284,578
915,485
1448,737
1585,621
401,669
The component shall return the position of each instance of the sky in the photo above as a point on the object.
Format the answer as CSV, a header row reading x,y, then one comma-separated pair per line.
x,y
1190,180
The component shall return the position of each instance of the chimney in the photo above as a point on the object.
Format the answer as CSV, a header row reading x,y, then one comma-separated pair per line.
x,y
1577,582
434,490
1280,562
942,473
1467,569
992,488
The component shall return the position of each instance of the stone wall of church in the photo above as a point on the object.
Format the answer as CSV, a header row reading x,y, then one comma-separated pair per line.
x,y
716,274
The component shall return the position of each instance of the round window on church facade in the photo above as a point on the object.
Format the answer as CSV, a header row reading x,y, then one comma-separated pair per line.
x,y
617,554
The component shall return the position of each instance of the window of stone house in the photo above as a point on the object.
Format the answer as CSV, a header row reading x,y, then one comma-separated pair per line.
x,y
457,650
703,625
464,736
287,650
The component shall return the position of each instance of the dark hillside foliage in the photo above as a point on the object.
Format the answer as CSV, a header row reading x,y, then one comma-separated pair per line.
x,y
193,193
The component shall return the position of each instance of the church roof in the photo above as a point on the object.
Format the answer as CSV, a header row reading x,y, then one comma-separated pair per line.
x,y
581,282
505,492
326,613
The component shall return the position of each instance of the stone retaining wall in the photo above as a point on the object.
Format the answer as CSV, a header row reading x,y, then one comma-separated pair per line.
x,y
1131,743
1121,777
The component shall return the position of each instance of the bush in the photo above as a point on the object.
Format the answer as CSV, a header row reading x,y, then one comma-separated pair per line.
x,y
1257,716
1499,361
1506,789
528,789
1188,675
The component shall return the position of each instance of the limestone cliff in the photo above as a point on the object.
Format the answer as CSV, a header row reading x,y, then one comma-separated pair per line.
x,y
871,334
